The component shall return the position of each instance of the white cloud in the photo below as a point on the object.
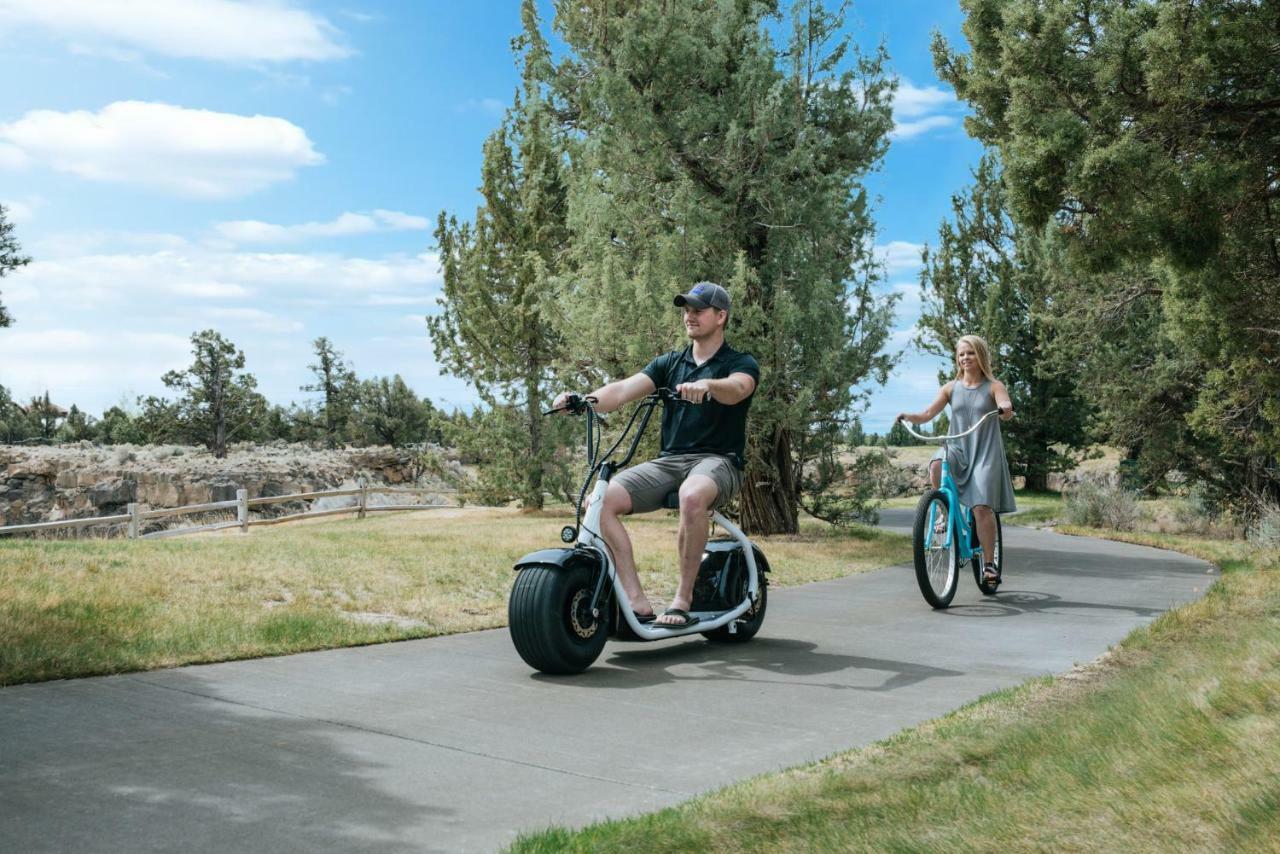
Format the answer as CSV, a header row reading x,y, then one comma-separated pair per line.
x,y
211,290
76,365
254,231
906,130
899,255
121,279
232,31
917,109
13,157
198,153
18,212
256,319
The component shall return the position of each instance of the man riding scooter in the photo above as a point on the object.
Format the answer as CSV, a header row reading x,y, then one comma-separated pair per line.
x,y
702,450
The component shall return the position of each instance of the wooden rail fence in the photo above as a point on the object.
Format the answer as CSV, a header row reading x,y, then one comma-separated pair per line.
x,y
135,516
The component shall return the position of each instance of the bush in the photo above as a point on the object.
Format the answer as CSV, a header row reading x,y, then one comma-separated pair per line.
x,y
1100,504
1264,533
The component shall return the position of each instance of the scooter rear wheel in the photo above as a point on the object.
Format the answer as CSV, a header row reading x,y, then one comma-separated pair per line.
x,y
750,622
549,615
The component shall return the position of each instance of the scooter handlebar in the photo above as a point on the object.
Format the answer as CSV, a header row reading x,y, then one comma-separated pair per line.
x,y
575,404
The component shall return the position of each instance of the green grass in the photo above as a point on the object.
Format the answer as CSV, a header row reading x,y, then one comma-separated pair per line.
x,y
80,608
1171,742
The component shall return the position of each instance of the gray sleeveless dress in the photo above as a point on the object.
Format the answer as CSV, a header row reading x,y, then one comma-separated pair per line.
x,y
977,462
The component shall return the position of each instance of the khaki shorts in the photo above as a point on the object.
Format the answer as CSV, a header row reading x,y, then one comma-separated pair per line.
x,y
649,483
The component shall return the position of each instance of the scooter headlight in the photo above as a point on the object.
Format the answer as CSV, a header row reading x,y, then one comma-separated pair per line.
x,y
568,533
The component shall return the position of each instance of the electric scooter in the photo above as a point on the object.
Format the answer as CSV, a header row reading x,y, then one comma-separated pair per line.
x,y
566,602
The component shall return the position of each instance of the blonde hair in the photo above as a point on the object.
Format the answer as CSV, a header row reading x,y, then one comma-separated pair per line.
x,y
981,350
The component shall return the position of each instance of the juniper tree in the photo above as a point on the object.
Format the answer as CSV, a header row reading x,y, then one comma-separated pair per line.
x,y
11,258
494,329
1148,133
388,412
987,278
337,383
703,150
218,399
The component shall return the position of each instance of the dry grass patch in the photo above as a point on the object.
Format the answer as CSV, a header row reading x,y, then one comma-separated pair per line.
x,y
77,608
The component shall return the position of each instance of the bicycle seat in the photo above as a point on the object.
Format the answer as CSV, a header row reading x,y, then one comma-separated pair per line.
x,y
671,501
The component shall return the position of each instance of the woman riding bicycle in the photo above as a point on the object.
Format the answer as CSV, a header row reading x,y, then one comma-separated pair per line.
x,y
977,461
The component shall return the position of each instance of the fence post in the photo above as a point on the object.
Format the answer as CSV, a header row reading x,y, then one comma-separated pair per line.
x,y
134,520
364,499
242,509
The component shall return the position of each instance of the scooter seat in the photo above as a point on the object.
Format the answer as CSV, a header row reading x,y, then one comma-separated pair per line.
x,y
671,500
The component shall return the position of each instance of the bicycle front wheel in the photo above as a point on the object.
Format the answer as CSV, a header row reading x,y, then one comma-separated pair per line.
x,y
937,554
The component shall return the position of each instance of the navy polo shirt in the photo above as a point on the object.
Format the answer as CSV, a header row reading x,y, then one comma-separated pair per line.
x,y
704,428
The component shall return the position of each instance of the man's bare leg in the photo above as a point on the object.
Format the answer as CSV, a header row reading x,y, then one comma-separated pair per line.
x,y
697,494
617,502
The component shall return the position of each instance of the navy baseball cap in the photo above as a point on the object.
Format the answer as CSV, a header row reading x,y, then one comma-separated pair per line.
x,y
704,295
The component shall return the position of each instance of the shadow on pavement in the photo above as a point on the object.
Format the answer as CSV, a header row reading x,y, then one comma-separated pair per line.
x,y
757,660
1013,603
171,756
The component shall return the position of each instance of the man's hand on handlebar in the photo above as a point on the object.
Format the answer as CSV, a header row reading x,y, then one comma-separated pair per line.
x,y
694,392
568,401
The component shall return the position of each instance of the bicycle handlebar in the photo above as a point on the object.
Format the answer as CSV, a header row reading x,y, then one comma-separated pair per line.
x,y
956,436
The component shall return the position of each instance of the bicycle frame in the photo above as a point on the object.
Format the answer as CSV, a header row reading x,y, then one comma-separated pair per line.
x,y
958,521
589,536
958,517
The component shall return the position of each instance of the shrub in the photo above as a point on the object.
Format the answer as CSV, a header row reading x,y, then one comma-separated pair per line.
x,y
1100,504
1264,533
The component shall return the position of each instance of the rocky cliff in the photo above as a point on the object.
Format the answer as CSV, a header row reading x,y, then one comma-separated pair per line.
x,y
45,484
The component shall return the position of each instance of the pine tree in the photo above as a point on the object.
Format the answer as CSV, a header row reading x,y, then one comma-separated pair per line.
x,y
388,412
336,381
989,279
219,400
11,258
706,152
494,329
1146,134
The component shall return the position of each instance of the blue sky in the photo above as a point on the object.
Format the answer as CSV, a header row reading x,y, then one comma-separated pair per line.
x,y
274,169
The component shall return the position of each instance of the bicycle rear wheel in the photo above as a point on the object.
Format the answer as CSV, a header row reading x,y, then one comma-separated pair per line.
x,y
937,562
997,557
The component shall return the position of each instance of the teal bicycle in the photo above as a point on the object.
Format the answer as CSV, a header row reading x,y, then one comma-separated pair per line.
x,y
944,535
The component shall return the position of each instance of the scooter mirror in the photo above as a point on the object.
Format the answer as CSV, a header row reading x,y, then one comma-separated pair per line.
x,y
568,533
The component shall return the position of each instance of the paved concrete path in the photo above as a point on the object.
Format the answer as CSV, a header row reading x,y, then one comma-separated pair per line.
x,y
452,744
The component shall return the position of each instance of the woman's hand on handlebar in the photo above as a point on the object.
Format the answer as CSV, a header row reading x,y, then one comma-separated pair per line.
x,y
1006,412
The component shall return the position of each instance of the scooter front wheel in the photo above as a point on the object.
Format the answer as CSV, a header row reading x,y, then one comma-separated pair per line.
x,y
550,619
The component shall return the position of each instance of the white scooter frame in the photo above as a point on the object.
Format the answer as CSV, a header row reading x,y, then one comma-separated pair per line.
x,y
558,613
707,620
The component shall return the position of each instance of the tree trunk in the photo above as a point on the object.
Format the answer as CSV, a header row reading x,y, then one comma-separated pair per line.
x,y
770,494
533,474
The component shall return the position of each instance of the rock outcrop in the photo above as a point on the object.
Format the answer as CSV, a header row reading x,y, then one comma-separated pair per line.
x,y
46,484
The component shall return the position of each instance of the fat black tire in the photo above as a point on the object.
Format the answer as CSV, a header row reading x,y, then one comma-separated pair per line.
x,y
937,596
989,589
750,622
550,620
